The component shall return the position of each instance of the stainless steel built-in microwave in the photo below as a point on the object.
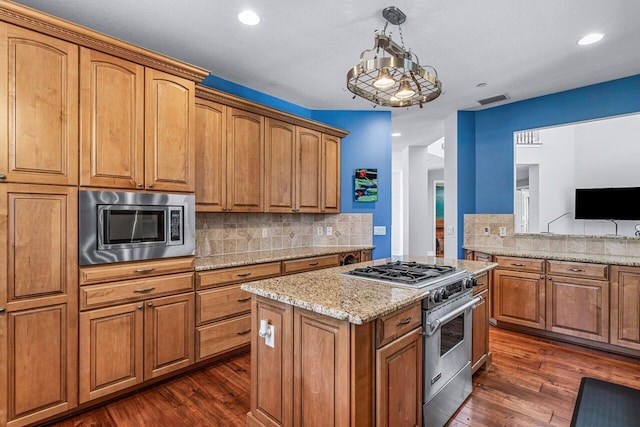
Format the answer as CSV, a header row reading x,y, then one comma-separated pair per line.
x,y
124,226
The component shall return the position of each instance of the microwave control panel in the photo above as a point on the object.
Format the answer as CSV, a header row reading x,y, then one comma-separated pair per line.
x,y
175,234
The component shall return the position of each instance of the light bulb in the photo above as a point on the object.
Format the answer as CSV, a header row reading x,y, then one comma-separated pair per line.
x,y
384,80
405,91
249,17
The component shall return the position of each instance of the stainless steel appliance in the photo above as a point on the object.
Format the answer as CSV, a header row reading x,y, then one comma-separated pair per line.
x,y
446,319
125,226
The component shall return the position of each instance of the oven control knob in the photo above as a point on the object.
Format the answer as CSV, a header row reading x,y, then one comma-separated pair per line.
x,y
437,296
445,294
470,282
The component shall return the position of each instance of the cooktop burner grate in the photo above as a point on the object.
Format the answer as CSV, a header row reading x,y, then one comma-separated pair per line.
x,y
403,272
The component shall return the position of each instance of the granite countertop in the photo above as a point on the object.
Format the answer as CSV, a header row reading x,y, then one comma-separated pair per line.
x,y
342,297
560,256
258,257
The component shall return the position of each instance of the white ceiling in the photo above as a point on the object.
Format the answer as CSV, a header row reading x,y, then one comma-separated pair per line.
x,y
302,50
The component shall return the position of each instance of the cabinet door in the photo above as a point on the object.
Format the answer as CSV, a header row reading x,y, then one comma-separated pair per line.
x,y
480,336
280,166
308,170
211,151
625,307
330,174
399,381
168,334
519,298
38,298
169,132
38,108
245,161
578,307
111,350
111,121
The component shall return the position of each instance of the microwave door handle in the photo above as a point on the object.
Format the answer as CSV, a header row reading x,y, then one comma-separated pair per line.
x,y
432,327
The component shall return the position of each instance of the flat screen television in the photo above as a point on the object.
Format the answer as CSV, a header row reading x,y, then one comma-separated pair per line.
x,y
619,203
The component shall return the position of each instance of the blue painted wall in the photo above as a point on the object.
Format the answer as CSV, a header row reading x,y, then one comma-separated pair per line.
x,y
368,145
494,127
466,173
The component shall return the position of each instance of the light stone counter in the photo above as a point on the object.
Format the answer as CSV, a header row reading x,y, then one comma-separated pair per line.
x,y
358,301
559,256
258,257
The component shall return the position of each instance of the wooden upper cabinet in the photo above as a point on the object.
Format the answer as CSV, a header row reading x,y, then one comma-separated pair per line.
x,y
38,108
111,121
330,174
280,166
308,170
169,132
245,161
211,151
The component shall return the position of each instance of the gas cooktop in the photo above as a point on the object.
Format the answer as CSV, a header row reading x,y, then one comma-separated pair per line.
x,y
408,273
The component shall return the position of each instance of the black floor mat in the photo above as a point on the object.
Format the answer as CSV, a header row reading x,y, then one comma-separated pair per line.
x,y
604,404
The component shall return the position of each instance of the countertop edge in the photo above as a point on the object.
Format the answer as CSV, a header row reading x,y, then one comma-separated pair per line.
x,y
559,256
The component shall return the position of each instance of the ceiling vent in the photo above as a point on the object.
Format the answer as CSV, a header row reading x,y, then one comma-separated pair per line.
x,y
493,99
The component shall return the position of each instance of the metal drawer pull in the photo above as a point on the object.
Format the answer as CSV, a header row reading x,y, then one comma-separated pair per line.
x,y
244,274
144,290
313,264
140,307
432,328
244,299
576,270
404,322
3,176
480,283
2,309
144,270
515,264
245,332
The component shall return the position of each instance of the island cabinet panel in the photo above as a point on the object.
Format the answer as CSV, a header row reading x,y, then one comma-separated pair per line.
x,y
519,298
625,307
211,156
271,367
399,381
578,307
38,108
112,121
321,370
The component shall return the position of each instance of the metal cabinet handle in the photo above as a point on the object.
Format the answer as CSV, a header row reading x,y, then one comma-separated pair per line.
x,y
404,322
542,276
150,185
244,299
3,176
480,283
140,307
144,290
432,327
313,264
144,270
2,310
576,270
149,304
139,185
515,264
244,274
246,331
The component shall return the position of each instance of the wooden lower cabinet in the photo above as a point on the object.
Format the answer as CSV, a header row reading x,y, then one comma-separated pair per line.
x,y
324,371
124,345
625,307
480,334
519,298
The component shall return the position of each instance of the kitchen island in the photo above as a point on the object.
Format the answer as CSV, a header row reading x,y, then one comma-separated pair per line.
x,y
338,351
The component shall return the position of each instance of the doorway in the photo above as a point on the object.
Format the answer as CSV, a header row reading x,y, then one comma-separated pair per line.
x,y
439,218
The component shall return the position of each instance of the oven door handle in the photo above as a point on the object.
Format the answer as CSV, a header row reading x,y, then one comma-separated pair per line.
x,y
432,328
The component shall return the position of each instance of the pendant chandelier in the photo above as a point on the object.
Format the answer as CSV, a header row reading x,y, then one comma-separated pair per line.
x,y
388,75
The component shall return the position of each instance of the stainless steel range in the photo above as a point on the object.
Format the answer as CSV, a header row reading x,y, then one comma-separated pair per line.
x,y
446,320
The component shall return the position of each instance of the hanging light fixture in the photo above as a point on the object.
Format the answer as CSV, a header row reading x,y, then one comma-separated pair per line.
x,y
391,77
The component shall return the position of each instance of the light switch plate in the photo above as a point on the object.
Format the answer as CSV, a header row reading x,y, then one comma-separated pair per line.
x,y
503,231
486,231
379,230
265,232
450,229
329,231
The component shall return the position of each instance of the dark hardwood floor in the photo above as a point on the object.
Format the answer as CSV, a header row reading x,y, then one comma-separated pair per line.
x,y
532,382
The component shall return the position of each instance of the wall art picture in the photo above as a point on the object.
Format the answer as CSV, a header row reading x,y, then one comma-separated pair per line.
x,y
366,189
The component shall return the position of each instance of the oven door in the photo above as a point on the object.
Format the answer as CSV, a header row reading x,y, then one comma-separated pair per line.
x,y
447,342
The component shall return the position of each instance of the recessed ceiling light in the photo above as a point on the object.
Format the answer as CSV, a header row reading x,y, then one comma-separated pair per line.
x,y
590,39
249,17
396,134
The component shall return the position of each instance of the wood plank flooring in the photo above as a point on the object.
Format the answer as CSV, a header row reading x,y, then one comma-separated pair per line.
x,y
532,382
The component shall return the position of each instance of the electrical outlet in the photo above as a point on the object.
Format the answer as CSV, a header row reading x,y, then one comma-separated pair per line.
x,y
486,231
319,230
329,231
265,232
503,231
450,230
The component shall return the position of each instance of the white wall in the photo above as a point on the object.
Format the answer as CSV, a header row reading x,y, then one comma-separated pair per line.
x,y
451,186
420,218
397,212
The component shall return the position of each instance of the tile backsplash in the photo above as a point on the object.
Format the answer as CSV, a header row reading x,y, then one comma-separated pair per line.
x,y
229,233
474,236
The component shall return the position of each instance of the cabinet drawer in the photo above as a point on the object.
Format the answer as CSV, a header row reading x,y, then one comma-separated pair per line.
x,y
578,269
481,256
398,323
134,290
221,302
226,276
307,264
483,283
520,264
222,336
134,270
